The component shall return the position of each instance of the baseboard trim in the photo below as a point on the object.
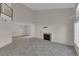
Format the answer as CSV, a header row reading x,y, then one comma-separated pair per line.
x,y
63,43
18,36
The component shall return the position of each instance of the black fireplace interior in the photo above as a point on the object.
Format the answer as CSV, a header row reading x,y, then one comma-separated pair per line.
x,y
47,36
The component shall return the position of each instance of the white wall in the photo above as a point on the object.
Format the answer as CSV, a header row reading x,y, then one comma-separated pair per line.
x,y
22,15
5,31
60,23
76,30
76,36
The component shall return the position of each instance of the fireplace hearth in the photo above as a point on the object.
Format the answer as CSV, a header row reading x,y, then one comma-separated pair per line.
x,y
47,36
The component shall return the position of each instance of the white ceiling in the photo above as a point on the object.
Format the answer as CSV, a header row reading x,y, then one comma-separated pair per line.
x,y
45,6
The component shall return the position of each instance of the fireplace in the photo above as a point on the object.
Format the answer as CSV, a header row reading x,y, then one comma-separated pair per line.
x,y
47,36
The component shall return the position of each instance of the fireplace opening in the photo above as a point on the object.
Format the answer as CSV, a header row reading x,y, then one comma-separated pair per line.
x,y
47,36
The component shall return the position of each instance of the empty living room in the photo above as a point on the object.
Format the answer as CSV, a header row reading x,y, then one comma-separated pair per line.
x,y
39,29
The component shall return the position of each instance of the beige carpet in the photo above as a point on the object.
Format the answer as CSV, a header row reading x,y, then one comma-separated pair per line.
x,y
36,47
